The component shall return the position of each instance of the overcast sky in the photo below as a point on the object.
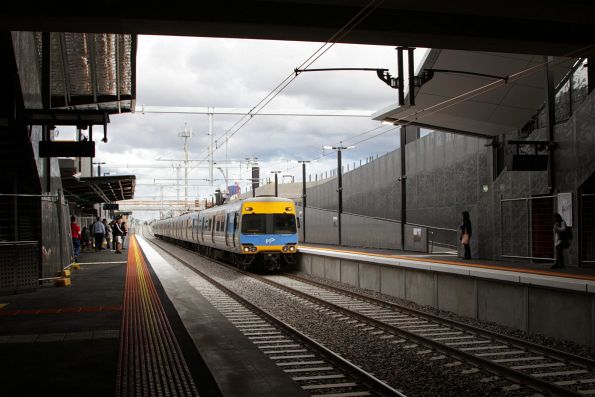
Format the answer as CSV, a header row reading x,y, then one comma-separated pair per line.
x,y
202,72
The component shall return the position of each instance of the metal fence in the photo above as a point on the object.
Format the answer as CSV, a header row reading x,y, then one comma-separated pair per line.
x,y
56,243
322,227
588,228
526,227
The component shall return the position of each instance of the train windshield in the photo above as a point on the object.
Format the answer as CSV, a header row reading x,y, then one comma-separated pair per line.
x,y
254,224
268,224
284,224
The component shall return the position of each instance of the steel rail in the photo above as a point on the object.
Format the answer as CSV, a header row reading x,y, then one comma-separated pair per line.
x,y
559,355
368,380
500,370
511,374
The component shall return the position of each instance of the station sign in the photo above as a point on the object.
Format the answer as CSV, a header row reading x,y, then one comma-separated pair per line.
x,y
66,149
529,162
111,206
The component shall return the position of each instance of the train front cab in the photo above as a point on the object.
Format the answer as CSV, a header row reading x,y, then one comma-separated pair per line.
x,y
268,233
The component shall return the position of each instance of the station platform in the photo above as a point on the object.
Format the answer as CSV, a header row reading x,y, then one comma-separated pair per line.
x,y
543,268
530,297
116,331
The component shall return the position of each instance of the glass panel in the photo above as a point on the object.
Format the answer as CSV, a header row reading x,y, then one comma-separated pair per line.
x,y
563,102
254,224
283,224
579,85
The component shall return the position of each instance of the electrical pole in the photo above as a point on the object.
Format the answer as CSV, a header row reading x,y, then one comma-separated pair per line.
x,y
303,198
211,147
186,134
276,182
339,181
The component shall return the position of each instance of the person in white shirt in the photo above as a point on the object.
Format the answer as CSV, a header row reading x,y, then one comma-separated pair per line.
x,y
98,231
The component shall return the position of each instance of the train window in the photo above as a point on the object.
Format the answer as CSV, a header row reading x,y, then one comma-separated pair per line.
x,y
283,224
254,224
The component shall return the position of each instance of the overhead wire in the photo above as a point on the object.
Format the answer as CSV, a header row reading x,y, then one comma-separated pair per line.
x,y
337,36
432,109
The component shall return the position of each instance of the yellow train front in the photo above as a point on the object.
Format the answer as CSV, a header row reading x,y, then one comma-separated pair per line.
x,y
259,231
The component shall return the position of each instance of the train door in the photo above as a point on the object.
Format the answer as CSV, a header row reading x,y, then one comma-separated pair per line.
x,y
212,228
226,230
236,229
202,229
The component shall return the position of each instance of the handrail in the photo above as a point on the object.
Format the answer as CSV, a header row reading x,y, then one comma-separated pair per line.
x,y
387,219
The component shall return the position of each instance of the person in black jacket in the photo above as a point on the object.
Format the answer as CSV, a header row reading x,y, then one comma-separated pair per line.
x,y
466,234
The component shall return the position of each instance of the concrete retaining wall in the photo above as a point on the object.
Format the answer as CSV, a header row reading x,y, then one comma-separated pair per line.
x,y
555,312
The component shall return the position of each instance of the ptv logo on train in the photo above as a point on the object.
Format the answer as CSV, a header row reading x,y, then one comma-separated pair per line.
x,y
269,240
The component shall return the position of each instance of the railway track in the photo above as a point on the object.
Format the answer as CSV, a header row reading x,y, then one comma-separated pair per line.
x,y
543,369
315,368
547,370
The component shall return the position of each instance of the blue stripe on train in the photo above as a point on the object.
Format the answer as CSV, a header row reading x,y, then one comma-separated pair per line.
x,y
268,239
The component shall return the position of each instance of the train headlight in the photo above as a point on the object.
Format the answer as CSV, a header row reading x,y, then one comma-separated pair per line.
x,y
284,249
253,249
246,249
292,248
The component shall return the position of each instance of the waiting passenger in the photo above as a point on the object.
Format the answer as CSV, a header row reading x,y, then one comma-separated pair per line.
x,y
75,233
108,234
98,231
86,239
466,234
561,240
124,233
118,233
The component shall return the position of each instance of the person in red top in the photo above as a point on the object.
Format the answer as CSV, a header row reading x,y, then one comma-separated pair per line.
x,y
75,232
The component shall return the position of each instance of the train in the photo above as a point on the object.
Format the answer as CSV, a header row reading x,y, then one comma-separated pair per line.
x,y
254,232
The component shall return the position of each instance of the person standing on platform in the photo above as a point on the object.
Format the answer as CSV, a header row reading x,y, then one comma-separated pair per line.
x,y
124,233
98,231
75,233
561,240
118,233
466,234
85,239
108,234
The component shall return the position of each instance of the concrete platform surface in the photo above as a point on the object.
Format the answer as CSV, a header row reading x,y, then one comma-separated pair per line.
x,y
66,340
238,366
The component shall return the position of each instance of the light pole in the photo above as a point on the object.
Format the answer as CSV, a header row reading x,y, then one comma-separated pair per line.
x,y
303,162
98,168
276,182
339,180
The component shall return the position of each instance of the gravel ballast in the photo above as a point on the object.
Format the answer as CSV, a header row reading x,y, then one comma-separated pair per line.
x,y
415,370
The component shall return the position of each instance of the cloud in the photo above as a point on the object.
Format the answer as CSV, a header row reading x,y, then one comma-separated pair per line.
x,y
202,72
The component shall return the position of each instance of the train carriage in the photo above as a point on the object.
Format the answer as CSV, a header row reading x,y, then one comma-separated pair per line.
x,y
256,231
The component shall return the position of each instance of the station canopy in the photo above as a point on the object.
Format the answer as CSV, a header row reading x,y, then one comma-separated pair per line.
x,y
88,191
92,71
477,93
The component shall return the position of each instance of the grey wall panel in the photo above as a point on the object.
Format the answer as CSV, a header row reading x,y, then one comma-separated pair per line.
x,y
317,265
392,281
421,287
361,231
369,276
320,227
350,272
446,174
502,303
457,294
564,316
332,269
